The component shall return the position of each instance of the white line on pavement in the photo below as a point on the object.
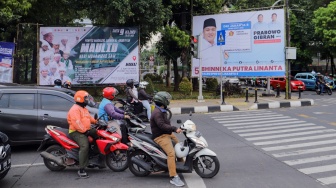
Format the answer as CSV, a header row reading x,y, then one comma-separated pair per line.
x,y
265,125
273,128
328,180
300,145
27,165
318,169
256,122
301,152
193,180
248,116
295,139
310,160
253,119
291,134
282,131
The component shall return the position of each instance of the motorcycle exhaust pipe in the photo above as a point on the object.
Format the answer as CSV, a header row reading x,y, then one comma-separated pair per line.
x,y
52,158
141,163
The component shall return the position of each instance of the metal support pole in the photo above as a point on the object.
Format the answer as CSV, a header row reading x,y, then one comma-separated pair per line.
x,y
223,93
256,95
247,94
278,90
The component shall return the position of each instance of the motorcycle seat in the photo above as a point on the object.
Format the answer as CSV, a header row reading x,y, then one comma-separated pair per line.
x,y
147,138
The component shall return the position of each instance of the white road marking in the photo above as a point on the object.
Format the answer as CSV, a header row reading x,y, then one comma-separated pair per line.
x,y
328,180
256,122
258,119
301,152
282,131
300,145
193,180
26,165
273,128
310,160
266,125
295,139
248,116
318,169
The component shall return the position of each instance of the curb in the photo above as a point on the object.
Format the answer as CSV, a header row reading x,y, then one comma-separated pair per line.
x,y
226,108
271,105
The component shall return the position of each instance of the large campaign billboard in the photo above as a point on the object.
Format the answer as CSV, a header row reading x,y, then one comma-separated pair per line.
x,y
247,44
6,61
83,55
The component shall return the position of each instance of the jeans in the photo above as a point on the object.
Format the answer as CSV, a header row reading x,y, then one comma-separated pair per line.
x,y
321,87
146,104
165,142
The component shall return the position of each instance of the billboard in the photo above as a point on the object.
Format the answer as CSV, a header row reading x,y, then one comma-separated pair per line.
x,y
82,55
6,61
248,44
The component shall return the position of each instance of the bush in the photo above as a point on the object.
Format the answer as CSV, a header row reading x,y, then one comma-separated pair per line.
x,y
154,77
150,87
211,84
185,86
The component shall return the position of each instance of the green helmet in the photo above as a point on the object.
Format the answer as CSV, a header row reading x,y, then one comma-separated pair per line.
x,y
162,97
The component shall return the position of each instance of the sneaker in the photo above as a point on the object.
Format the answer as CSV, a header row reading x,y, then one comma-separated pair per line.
x,y
82,174
177,181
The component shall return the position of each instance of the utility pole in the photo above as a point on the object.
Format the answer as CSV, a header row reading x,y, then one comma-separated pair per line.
x,y
288,70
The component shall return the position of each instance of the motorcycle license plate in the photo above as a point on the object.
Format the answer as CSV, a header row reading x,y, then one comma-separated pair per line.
x,y
198,134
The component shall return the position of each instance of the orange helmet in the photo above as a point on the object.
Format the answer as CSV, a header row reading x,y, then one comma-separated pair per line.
x,y
110,92
82,96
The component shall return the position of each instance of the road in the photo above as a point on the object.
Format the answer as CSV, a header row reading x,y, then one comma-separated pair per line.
x,y
292,147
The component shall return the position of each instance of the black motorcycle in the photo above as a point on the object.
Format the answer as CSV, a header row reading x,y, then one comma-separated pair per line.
x,y
327,89
124,105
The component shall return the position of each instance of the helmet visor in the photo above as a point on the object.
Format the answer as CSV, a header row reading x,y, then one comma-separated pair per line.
x,y
89,100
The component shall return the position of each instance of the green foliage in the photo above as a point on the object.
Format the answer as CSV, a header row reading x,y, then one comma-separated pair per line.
x,y
153,77
211,84
185,86
325,21
150,87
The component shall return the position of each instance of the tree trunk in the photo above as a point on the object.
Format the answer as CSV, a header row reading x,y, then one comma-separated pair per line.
x,y
33,75
168,73
176,76
26,69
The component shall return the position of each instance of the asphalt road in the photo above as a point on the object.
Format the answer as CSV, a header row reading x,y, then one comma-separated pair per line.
x,y
292,147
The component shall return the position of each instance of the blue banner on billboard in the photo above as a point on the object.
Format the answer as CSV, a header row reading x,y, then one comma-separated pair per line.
x,y
6,60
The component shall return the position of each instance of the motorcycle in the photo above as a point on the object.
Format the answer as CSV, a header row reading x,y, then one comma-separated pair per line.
x,y
143,115
327,89
61,151
147,157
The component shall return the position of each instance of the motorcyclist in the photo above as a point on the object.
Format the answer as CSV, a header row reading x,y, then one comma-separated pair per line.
x,y
145,98
108,111
132,98
67,84
58,83
80,121
162,133
320,83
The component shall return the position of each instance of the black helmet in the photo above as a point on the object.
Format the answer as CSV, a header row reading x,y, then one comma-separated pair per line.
x,y
58,82
67,84
136,84
130,82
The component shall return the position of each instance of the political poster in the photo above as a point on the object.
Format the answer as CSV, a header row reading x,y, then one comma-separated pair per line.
x,y
247,44
88,55
6,61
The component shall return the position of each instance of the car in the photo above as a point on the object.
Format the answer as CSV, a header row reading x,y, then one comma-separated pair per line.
x,y
307,78
26,110
295,84
5,155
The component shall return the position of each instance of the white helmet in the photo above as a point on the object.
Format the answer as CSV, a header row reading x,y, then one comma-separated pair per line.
x,y
180,150
143,84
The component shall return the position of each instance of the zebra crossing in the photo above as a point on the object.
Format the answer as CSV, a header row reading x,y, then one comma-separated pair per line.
x,y
325,101
308,147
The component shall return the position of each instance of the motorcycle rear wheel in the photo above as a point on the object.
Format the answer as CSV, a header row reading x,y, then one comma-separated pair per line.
x,y
57,151
211,164
117,162
169,114
134,168
329,91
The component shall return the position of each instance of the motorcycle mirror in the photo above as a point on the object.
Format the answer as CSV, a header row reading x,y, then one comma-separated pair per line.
x,y
178,121
95,116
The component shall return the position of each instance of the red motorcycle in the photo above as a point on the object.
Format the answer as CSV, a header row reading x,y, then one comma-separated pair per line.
x,y
62,151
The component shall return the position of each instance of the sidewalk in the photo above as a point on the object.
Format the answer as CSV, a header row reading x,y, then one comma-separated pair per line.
x,y
235,104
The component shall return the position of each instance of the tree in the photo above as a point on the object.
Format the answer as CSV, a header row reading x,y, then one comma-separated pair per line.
x,y
324,21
